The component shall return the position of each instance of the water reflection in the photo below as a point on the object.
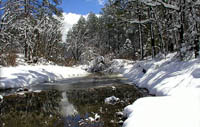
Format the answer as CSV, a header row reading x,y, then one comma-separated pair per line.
x,y
67,109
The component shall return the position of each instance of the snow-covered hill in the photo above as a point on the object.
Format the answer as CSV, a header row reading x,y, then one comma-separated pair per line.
x,y
176,82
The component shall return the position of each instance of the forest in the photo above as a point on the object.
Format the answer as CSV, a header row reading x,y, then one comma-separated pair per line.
x,y
134,64
128,29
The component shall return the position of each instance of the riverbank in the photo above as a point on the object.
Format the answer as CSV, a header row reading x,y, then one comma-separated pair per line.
x,y
22,76
176,85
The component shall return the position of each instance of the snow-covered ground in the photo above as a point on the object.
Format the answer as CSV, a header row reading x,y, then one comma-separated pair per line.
x,y
21,76
44,71
176,85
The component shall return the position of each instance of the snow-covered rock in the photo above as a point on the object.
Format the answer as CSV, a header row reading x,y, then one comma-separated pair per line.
x,y
37,91
91,119
111,100
113,88
97,117
119,114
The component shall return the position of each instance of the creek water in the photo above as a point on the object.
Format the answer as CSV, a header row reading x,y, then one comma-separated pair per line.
x,y
75,102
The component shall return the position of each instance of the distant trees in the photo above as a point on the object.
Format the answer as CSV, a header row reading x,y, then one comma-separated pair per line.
x,y
139,28
76,39
30,26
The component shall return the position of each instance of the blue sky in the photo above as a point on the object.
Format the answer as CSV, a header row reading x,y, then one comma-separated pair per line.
x,y
74,9
82,7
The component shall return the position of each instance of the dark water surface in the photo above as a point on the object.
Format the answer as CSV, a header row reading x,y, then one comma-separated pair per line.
x,y
68,103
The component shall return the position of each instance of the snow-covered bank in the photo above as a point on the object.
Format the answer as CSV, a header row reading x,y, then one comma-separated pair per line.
x,y
163,76
21,76
179,84
166,111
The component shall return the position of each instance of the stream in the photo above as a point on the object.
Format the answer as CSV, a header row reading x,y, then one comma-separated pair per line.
x,y
73,102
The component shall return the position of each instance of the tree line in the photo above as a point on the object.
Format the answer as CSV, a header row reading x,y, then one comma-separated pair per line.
x,y
131,29
135,29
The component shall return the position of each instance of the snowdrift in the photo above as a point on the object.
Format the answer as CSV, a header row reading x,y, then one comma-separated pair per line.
x,y
21,76
176,85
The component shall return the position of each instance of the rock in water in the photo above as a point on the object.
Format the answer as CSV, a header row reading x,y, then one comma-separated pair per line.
x,y
111,100
97,117
121,122
119,114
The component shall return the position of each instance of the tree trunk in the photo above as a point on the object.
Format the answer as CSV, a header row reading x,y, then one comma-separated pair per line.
x,y
140,36
26,51
153,42
141,44
152,35
181,30
196,48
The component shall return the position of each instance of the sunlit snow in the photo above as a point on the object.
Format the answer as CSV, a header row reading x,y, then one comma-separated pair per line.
x,y
177,86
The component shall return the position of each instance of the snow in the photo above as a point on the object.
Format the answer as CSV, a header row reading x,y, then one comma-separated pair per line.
x,y
167,111
141,22
22,76
119,114
150,3
163,76
91,119
111,100
37,91
176,85
95,119
20,60
197,2
169,5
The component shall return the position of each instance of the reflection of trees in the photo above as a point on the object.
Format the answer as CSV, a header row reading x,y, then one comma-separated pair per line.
x,y
30,109
45,108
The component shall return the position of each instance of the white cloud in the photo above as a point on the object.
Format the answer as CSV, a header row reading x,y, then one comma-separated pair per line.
x,y
69,20
101,2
